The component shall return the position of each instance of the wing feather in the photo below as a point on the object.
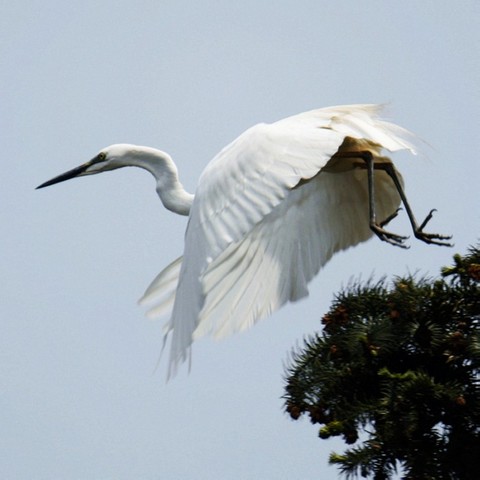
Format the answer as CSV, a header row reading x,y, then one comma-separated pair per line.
x,y
263,221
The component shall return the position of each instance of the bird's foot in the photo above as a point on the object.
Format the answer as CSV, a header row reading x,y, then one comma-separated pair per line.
x,y
431,238
390,218
389,237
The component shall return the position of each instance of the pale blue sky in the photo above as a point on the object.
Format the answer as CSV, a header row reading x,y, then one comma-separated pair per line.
x,y
79,398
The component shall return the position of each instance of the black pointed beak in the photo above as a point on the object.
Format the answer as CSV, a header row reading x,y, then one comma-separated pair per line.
x,y
75,172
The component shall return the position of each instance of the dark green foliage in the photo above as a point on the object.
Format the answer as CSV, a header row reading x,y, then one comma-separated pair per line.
x,y
398,367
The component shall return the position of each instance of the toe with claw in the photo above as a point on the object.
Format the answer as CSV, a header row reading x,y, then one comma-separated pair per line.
x,y
431,238
389,237
390,218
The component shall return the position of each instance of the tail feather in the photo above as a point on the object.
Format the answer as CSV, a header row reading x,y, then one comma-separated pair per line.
x,y
161,292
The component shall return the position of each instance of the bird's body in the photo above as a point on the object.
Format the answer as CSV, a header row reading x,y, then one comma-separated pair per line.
x,y
269,211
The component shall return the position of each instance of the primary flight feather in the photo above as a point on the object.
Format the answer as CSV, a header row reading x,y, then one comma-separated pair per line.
x,y
269,211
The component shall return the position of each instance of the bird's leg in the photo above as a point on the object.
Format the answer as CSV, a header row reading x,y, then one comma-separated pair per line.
x,y
377,228
431,238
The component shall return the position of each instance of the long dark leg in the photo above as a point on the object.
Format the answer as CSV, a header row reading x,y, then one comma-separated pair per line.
x,y
377,228
432,238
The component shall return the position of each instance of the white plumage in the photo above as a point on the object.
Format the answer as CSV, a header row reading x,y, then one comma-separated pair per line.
x,y
269,211
253,240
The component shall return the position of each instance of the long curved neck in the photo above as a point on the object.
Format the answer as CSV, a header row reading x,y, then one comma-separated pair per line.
x,y
171,192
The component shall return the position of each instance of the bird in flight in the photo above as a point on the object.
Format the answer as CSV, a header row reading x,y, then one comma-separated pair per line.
x,y
270,209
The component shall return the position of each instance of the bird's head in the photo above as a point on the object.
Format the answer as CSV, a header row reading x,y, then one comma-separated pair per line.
x,y
109,158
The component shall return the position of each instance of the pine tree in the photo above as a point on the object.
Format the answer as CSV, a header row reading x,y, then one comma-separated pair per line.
x,y
395,372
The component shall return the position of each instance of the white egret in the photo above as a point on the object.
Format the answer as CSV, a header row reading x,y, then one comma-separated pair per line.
x,y
269,211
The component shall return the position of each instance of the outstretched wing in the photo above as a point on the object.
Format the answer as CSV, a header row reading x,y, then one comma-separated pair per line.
x,y
264,221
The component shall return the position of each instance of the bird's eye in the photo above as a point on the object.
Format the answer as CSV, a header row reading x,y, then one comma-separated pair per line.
x,y
101,157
